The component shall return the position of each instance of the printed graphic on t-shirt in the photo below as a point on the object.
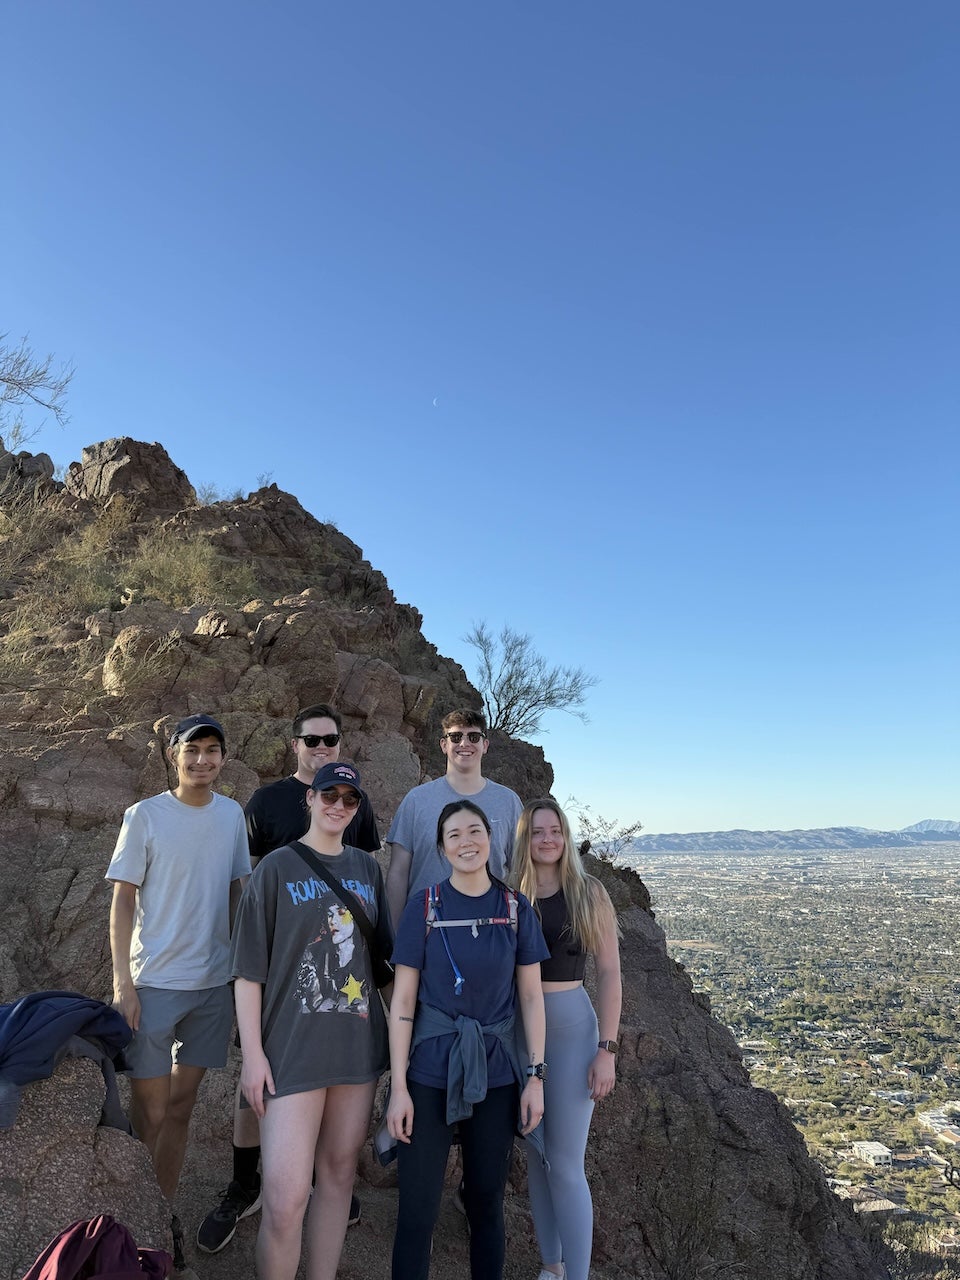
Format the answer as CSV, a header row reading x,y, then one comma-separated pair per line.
x,y
331,977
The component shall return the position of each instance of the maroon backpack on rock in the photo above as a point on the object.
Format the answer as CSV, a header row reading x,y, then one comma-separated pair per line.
x,y
98,1249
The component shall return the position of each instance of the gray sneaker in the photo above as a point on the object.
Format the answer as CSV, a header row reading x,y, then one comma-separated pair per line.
x,y
219,1226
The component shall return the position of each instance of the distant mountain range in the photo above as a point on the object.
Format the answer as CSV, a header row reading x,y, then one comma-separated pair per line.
x,y
929,831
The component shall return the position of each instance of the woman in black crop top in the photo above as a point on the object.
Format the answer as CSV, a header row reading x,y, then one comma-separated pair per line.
x,y
578,920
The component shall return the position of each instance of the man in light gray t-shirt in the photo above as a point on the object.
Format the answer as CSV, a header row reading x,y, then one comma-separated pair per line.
x,y
179,865
415,861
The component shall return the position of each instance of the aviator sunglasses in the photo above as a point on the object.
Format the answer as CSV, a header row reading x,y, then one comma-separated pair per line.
x,y
313,740
474,736
330,796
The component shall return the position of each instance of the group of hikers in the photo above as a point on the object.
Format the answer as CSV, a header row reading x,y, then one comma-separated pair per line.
x,y
486,913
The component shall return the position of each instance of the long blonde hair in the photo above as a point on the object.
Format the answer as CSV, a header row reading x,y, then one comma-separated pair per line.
x,y
590,912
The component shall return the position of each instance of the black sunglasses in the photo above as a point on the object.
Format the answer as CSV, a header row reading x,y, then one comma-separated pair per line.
x,y
312,740
473,736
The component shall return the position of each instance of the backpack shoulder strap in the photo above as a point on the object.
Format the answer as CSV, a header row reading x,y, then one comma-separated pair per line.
x,y
431,900
513,907
433,920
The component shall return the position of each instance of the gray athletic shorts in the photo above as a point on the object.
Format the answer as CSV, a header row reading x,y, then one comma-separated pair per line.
x,y
191,1028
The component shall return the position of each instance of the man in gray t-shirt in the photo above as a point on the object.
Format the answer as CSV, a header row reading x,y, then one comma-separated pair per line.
x,y
415,862
180,862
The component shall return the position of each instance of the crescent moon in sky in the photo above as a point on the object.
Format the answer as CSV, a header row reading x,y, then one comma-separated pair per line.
x,y
435,399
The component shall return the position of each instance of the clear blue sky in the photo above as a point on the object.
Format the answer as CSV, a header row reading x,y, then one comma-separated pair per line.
x,y
632,325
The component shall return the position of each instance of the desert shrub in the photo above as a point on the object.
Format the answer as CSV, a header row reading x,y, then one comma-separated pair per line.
x,y
185,569
90,564
80,572
208,494
138,672
59,674
28,522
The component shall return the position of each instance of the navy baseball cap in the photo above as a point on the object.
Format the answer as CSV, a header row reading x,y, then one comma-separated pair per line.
x,y
339,773
197,726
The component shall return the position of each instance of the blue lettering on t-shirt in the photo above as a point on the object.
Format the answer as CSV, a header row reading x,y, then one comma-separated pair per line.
x,y
302,891
363,891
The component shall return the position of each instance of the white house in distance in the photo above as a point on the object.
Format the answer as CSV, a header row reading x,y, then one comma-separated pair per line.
x,y
942,1122
874,1153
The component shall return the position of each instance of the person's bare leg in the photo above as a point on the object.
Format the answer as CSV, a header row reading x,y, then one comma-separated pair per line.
x,y
288,1143
149,1099
246,1126
171,1143
343,1131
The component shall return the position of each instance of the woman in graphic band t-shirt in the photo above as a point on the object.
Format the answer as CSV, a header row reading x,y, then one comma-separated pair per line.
x,y
311,1026
578,920
466,956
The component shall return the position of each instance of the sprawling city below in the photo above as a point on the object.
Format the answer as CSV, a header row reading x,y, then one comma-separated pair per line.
x,y
838,971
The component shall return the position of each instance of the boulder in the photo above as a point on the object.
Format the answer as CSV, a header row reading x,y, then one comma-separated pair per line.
x,y
134,469
59,1165
23,467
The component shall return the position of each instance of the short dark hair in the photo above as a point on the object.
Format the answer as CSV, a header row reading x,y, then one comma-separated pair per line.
x,y
455,806
464,718
319,710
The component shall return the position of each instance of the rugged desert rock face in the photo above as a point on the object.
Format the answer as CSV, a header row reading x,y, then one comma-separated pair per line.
x,y
696,1173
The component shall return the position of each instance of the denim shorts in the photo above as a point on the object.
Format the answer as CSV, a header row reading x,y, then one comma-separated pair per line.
x,y
191,1028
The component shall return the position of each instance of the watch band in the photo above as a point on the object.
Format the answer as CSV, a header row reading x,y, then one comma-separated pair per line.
x,y
611,1046
537,1071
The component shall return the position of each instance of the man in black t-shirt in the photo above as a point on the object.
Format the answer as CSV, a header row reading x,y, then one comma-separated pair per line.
x,y
277,814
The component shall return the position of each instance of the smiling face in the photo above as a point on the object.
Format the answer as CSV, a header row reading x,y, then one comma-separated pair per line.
x,y
310,759
464,757
466,842
330,818
546,838
198,764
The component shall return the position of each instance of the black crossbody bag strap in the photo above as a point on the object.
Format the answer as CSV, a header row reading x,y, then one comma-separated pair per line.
x,y
353,905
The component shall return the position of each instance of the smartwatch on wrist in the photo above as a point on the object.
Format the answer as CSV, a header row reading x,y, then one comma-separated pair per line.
x,y
611,1046
537,1071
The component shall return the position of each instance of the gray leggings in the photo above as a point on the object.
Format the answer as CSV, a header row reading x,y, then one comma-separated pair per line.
x,y
560,1200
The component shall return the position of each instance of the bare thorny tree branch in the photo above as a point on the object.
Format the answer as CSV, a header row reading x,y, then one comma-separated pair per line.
x,y
518,686
29,385
606,838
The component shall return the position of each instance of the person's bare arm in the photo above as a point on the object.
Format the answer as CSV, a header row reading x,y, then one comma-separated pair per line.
x,y
122,908
398,880
255,1074
406,984
602,1073
530,999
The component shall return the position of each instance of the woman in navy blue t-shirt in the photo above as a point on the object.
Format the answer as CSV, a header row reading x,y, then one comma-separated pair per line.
x,y
467,953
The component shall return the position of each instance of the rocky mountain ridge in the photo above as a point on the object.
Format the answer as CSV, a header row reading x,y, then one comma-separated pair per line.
x,y
125,604
930,831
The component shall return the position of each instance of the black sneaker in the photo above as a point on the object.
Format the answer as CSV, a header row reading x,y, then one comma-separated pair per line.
x,y
354,1212
218,1227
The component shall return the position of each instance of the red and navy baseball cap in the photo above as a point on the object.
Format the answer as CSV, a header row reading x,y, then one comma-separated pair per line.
x,y
339,773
